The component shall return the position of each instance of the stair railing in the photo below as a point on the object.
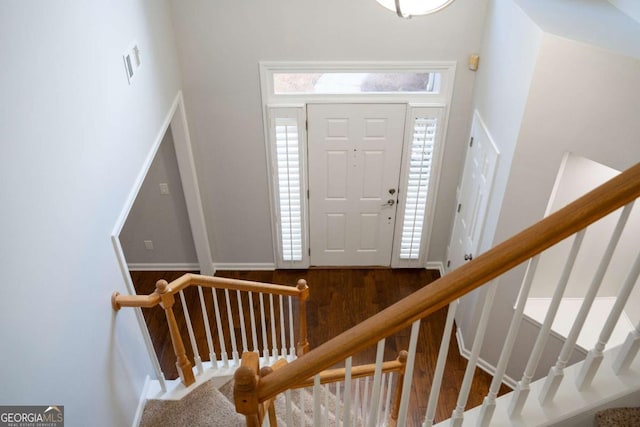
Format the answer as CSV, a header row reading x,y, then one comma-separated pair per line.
x,y
607,198
355,394
271,316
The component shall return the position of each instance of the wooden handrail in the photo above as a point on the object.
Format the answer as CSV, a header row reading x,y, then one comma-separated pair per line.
x,y
586,210
118,301
164,295
246,376
337,375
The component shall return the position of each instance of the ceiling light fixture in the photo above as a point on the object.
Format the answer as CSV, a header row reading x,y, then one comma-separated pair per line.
x,y
409,8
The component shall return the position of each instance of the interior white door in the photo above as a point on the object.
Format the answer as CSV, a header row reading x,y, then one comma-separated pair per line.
x,y
354,152
473,195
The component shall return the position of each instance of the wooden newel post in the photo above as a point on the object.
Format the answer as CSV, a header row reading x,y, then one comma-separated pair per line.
x,y
245,389
269,405
167,300
402,358
303,342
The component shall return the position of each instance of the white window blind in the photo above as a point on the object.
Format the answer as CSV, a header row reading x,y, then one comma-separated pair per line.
x,y
417,188
289,188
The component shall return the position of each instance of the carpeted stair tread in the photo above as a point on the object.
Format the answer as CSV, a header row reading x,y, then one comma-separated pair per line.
x,y
205,406
618,417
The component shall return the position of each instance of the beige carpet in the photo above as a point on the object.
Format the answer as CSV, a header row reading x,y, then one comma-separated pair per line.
x,y
205,406
208,406
618,417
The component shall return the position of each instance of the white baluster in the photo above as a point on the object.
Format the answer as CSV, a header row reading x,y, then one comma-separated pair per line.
x,y
192,338
283,333
292,342
252,315
521,393
594,358
304,415
440,364
387,404
232,331
379,412
207,329
346,417
556,373
274,337
243,331
317,416
326,405
336,409
408,374
263,323
478,340
628,351
489,403
365,402
356,404
223,347
377,383
288,407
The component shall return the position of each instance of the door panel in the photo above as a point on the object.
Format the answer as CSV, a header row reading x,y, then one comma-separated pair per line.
x,y
354,155
473,195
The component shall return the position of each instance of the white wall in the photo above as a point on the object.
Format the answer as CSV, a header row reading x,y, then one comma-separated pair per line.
x,y
508,56
220,44
629,7
594,22
582,100
161,218
74,137
578,176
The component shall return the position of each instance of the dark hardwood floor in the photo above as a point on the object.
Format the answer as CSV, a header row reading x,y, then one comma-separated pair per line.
x,y
338,300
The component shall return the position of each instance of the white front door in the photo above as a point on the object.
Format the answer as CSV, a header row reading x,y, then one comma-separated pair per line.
x,y
354,157
473,195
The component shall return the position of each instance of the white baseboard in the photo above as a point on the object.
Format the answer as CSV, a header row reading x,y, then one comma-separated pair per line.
x,y
482,364
161,266
244,266
141,402
436,265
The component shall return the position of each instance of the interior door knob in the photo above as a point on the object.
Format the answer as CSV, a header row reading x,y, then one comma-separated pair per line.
x,y
390,202
468,257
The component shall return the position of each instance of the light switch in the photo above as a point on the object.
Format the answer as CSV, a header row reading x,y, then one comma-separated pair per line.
x,y
164,188
148,244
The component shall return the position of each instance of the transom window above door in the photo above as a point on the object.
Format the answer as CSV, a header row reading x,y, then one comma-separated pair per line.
x,y
341,146
332,83
420,82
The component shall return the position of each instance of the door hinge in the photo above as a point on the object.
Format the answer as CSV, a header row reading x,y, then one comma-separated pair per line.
x,y
471,142
306,125
448,263
459,206
309,251
307,194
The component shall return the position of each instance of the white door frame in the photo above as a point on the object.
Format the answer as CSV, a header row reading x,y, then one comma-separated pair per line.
x,y
273,102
